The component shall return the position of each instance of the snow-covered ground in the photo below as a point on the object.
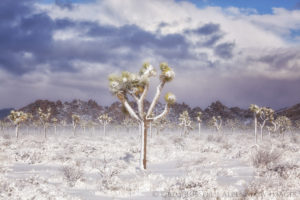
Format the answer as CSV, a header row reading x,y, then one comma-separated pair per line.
x,y
206,166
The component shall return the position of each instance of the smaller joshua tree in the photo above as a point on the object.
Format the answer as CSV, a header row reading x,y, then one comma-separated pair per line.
x,y
161,124
84,124
17,117
265,115
2,125
75,123
104,120
44,117
282,123
54,122
128,123
216,122
185,122
232,124
297,124
199,120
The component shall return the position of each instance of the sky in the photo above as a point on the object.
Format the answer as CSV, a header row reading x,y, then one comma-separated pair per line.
x,y
237,51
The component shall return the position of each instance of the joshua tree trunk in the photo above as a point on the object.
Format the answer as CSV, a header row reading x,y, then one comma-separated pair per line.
x,y
104,129
142,135
55,130
255,128
199,127
74,131
145,146
17,131
45,132
150,129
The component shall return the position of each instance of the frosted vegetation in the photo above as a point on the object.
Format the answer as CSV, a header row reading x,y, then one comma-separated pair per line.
x,y
146,156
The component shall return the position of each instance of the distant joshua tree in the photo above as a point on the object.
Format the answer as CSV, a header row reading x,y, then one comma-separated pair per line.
x,y
199,120
297,124
232,123
44,117
17,117
282,123
185,122
136,86
128,123
54,122
161,125
104,120
265,115
75,123
216,122
2,125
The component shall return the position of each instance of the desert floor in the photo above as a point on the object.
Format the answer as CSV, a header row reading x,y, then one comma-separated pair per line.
x,y
205,166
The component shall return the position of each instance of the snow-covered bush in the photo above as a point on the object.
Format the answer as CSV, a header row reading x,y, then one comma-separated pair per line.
x,y
72,174
265,157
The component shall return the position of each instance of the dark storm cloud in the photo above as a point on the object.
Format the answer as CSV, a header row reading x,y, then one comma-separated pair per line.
x,y
25,31
207,29
279,59
210,32
224,50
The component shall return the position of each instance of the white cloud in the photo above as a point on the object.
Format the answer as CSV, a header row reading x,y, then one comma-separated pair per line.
x,y
261,51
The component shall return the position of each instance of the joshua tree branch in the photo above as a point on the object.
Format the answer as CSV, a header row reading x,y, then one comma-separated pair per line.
x,y
156,97
130,110
166,110
140,101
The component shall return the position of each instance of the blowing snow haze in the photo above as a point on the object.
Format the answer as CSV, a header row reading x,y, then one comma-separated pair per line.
x,y
238,52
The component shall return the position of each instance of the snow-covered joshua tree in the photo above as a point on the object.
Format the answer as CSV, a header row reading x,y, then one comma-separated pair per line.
x,y
136,86
282,123
44,117
104,120
199,120
54,122
216,122
264,115
185,122
17,117
75,123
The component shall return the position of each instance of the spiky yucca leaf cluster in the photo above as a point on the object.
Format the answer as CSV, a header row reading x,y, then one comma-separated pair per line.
x,y
170,98
18,117
54,120
254,108
130,82
167,72
134,84
199,115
